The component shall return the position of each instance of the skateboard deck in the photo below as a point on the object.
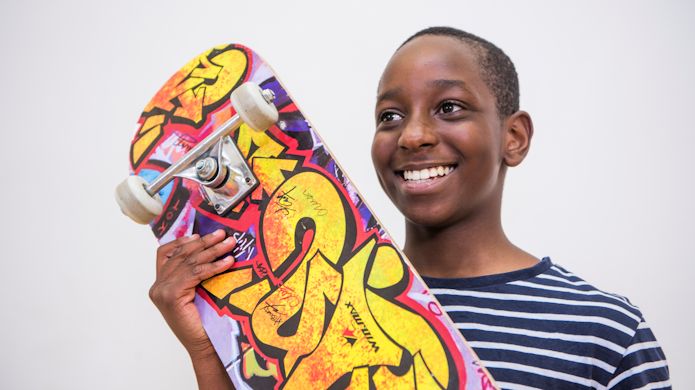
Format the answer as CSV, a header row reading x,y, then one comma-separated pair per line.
x,y
319,296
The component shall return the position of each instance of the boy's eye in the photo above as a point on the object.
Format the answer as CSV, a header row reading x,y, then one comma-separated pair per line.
x,y
390,116
449,107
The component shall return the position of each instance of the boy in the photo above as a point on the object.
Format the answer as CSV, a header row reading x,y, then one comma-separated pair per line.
x,y
448,126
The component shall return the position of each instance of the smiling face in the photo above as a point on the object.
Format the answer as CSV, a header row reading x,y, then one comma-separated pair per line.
x,y
439,146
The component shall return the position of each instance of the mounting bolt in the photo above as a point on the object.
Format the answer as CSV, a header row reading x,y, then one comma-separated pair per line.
x,y
268,95
218,207
206,168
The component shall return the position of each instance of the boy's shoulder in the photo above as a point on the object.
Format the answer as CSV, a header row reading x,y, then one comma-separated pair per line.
x,y
556,285
547,321
547,297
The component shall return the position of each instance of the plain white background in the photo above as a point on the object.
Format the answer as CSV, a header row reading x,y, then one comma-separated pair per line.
x,y
607,190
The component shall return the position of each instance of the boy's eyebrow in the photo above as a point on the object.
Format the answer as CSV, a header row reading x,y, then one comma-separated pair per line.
x,y
439,83
448,83
388,94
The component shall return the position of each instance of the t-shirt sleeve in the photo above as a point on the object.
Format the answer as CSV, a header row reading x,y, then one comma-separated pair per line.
x,y
643,365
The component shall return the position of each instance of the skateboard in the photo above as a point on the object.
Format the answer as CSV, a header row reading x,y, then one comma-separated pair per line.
x,y
319,296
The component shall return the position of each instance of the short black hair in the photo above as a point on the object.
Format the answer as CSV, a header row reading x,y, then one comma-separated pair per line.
x,y
497,69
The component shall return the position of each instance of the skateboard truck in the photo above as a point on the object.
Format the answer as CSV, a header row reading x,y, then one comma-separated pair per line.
x,y
215,162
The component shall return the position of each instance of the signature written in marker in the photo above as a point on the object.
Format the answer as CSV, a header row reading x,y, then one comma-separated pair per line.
x,y
285,201
320,211
273,312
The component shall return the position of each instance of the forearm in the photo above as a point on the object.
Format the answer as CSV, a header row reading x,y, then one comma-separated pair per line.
x,y
209,371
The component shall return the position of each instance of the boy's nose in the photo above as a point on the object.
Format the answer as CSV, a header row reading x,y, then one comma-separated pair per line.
x,y
417,134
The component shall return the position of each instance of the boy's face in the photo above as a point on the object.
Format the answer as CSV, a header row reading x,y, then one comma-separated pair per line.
x,y
437,119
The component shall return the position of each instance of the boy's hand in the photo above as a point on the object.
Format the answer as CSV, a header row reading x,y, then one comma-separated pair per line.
x,y
181,265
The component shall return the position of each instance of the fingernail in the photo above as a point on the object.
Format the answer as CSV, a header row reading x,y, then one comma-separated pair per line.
x,y
218,232
228,240
195,236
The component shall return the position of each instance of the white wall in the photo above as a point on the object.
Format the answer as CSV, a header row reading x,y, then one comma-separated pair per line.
x,y
607,190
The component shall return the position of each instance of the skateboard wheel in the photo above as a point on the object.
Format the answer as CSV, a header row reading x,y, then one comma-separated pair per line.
x,y
253,108
135,202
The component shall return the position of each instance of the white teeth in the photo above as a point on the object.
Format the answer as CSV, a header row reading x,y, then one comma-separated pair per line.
x,y
427,173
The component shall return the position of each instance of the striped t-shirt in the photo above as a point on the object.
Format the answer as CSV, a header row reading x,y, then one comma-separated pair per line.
x,y
545,328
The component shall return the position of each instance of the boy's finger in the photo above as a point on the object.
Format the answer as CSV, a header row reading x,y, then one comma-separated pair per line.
x,y
205,271
213,238
166,251
201,243
215,251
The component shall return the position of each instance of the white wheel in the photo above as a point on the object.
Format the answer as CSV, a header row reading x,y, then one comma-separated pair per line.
x,y
135,202
253,108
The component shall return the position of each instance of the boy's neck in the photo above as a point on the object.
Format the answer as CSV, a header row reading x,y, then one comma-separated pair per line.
x,y
464,250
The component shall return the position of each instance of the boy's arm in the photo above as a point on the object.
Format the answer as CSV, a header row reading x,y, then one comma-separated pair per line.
x,y
181,265
643,364
209,371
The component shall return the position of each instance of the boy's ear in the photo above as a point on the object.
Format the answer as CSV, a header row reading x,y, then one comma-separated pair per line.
x,y
517,138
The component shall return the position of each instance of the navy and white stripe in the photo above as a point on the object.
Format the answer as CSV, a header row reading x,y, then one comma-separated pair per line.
x,y
545,328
